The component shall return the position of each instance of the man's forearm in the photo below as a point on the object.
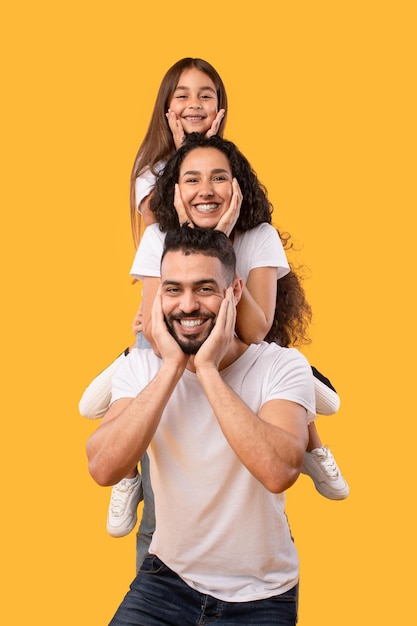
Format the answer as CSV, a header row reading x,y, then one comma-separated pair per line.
x,y
128,427
273,454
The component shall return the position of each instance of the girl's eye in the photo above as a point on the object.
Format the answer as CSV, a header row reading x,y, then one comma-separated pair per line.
x,y
220,178
191,180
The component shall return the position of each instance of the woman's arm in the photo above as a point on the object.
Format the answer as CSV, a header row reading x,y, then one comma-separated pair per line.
x,y
150,286
256,309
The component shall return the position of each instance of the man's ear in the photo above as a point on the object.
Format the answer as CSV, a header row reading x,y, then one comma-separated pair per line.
x,y
237,289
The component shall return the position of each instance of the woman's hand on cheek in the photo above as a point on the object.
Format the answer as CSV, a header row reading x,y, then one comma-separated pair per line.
x,y
180,209
228,221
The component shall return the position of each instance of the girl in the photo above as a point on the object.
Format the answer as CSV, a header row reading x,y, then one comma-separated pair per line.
x,y
192,97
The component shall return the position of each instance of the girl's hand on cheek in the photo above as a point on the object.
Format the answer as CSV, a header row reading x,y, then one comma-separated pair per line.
x,y
213,130
177,130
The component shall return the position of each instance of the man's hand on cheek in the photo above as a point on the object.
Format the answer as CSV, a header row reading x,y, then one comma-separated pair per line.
x,y
168,348
218,342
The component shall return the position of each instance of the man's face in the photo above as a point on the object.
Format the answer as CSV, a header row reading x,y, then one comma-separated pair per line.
x,y
193,288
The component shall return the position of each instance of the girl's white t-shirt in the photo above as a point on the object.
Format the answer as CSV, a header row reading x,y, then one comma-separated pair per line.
x,y
145,182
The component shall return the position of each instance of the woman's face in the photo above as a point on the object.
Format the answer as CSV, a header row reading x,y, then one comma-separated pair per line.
x,y
205,184
195,101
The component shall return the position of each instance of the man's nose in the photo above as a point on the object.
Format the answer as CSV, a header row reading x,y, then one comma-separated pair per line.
x,y
189,302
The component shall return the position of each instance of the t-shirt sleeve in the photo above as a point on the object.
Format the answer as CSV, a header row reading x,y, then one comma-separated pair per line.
x,y
270,247
136,370
291,378
145,182
147,259
260,247
125,383
143,186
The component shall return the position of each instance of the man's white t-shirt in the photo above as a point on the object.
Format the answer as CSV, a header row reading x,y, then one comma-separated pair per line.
x,y
217,526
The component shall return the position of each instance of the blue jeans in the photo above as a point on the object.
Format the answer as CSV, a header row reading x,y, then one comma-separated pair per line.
x,y
159,597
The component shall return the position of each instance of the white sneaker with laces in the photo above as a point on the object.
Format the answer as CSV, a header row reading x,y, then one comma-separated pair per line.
x,y
320,465
122,515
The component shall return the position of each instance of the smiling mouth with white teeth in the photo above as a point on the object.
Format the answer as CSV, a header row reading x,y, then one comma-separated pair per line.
x,y
190,323
204,208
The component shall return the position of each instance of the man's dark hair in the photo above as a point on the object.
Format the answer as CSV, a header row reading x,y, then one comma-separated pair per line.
x,y
206,241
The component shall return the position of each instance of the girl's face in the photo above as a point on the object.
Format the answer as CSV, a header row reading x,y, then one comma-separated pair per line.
x,y
205,184
195,101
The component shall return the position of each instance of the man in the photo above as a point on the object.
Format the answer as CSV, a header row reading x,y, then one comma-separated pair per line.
x,y
225,426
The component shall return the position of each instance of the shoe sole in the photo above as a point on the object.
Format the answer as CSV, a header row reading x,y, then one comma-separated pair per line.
x,y
329,494
122,532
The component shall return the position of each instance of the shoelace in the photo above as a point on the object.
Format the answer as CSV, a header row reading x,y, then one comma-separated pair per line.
x,y
326,460
118,504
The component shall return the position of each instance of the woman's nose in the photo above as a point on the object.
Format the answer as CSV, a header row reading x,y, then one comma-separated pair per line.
x,y
205,189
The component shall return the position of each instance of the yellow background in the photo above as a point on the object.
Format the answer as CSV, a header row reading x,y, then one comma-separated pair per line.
x,y
322,102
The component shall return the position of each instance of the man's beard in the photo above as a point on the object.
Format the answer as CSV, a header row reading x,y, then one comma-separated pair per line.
x,y
190,345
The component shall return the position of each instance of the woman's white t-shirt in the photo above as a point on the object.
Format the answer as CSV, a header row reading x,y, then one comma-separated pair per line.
x,y
259,247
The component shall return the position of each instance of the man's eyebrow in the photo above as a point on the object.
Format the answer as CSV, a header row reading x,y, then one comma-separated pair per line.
x,y
197,283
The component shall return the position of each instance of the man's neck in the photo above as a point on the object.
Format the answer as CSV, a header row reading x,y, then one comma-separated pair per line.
x,y
236,349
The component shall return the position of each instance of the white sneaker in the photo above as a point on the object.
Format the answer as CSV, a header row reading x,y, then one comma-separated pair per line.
x,y
122,515
320,465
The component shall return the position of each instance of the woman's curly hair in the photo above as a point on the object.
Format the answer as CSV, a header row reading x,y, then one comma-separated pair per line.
x,y
256,207
292,311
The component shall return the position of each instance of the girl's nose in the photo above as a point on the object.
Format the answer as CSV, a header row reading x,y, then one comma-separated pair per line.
x,y
195,103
